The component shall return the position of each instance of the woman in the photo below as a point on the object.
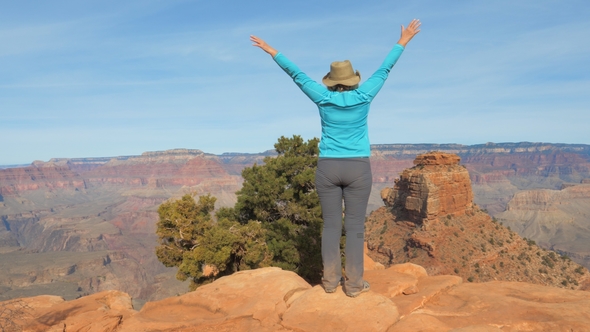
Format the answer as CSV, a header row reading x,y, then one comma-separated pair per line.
x,y
344,171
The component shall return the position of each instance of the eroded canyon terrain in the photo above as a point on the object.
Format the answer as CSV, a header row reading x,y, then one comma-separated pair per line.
x,y
72,227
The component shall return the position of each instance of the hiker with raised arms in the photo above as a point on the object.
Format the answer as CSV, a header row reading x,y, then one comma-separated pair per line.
x,y
344,170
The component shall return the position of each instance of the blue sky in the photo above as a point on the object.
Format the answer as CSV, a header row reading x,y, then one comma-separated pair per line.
x,y
108,78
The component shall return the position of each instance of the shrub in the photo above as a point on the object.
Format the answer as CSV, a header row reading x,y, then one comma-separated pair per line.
x,y
190,240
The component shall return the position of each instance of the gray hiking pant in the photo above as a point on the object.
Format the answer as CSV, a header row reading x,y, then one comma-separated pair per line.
x,y
349,179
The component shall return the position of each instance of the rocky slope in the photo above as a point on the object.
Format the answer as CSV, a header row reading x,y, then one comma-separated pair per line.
x,y
402,298
430,219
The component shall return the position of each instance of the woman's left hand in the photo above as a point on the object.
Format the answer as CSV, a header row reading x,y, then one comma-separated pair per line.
x,y
263,45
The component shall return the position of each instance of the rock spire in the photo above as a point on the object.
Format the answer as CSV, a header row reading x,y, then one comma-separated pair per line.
x,y
436,186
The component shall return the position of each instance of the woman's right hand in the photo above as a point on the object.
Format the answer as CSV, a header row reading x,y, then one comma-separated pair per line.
x,y
263,45
410,32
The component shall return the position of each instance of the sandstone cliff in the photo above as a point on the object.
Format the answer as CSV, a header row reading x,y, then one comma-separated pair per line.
x,y
38,176
403,298
430,219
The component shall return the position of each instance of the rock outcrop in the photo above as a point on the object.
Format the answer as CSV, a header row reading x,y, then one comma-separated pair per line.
x,y
429,219
436,186
403,298
100,312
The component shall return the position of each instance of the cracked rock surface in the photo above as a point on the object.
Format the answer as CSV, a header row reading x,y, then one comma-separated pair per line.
x,y
402,298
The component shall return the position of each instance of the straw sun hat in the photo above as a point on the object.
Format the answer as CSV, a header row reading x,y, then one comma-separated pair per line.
x,y
341,72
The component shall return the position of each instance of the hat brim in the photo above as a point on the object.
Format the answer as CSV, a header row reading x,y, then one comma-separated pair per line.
x,y
354,80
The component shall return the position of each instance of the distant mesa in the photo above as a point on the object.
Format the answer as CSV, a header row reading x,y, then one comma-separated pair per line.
x,y
174,152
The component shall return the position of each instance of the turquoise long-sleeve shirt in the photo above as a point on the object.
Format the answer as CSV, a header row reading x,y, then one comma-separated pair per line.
x,y
343,114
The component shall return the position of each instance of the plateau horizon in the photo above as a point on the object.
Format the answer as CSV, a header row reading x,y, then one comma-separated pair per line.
x,y
426,147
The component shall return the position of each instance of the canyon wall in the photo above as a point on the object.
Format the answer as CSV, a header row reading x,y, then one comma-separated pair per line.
x,y
79,226
556,219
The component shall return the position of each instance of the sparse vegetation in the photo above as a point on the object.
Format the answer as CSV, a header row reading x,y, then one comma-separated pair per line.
x,y
548,262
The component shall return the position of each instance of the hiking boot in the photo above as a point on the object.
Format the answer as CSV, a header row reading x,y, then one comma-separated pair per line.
x,y
332,290
365,288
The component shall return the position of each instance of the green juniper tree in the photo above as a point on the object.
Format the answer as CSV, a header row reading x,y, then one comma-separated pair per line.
x,y
281,194
191,240
275,222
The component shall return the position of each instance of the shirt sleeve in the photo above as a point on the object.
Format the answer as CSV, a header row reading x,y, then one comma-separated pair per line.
x,y
312,89
372,86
